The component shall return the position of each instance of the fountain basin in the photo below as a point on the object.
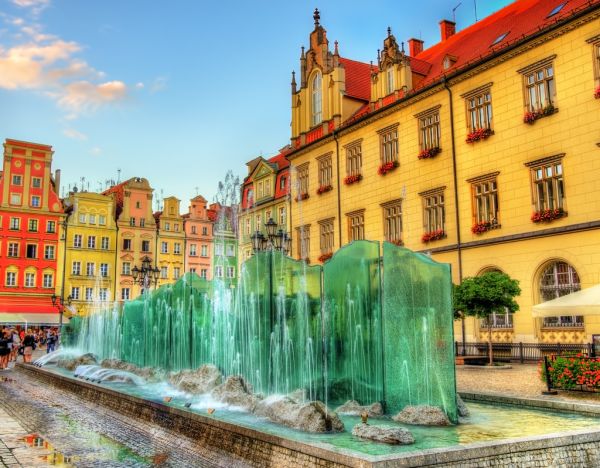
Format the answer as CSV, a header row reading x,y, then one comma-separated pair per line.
x,y
496,434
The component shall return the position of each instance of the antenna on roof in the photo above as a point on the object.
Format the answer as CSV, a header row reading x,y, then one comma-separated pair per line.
x,y
475,4
118,175
196,190
454,11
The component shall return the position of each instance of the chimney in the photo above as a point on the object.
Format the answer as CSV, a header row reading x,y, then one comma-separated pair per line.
x,y
447,29
415,46
57,181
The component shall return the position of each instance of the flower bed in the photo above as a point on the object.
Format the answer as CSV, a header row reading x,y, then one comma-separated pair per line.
x,y
545,216
433,236
323,258
387,167
302,196
429,152
324,188
478,135
597,93
531,117
572,372
352,179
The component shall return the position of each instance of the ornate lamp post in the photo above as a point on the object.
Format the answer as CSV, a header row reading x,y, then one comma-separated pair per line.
x,y
146,274
59,302
275,240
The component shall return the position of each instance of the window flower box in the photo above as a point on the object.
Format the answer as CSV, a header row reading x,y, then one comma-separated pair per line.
x,y
480,134
433,236
531,117
484,226
597,93
302,196
326,256
352,179
546,216
398,242
387,167
324,188
430,152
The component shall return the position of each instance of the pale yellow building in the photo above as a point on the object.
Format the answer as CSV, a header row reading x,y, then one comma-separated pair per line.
x,y
482,150
170,248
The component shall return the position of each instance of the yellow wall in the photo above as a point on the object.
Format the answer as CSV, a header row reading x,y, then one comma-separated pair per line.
x,y
175,235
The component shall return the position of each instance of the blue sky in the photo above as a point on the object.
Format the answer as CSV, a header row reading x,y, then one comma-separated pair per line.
x,y
177,91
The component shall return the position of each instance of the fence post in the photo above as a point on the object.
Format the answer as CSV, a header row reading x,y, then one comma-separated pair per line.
x,y
548,379
521,352
590,349
559,349
456,348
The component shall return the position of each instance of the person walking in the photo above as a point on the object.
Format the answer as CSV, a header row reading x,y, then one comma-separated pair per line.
x,y
28,346
4,350
51,341
16,344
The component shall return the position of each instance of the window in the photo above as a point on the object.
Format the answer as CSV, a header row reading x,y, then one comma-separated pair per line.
x,y
388,144
76,269
164,247
145,246
89,294
176,227
167,226
77,240
548,185
429,129
479,109
91,242
33,225
48,280
82,218
433,211
230,272
36,182
500,38
353,159
103,294
132,221
498,320
176,272
540,91
142,222
138,204
75,293
204,251
164,272
15,224
303,236
326,236
13,249
90,268
597,61
177,248
356,225
29,280
126,244
51,227
219,271
282,216
104,270
325,171
316,101
15,198
126,270
193,229
485,200
11,278
389,82
49,252
392,221
193,251
35,201
31,251
192,270
248,226
125,294
219,250
302,173
282,183
17,180
230,250
203,272
204,231
102,220
92,219
559,279
105,243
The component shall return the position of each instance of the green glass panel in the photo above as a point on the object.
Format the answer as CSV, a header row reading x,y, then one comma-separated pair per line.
x,y
418,332
352,318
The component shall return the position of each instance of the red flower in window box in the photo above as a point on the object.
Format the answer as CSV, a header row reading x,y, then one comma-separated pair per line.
x,y
387,167
326,256
302,196
531,117
545,216
597,93
324,188
433,236
480,134
482,226
351,179
398,242
429,152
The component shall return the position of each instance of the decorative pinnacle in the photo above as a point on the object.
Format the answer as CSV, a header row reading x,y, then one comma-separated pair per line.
x,y
402,46
302,54
316,16
335,49
389,31
293,77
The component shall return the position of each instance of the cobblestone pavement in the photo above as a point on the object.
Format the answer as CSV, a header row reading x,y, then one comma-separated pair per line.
x,y
86,433
520,381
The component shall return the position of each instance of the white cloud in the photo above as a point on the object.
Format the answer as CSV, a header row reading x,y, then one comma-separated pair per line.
x,y
36,6
74,134
158,84
96,151
139,85
83,96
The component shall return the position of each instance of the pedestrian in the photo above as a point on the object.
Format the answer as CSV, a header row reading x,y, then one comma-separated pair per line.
x,y
16,344
28,346
51,342
4,350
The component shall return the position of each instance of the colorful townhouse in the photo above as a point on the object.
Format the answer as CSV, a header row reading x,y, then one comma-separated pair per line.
x,y
90,259
265,196
30,217
170,250
481,150
198,223
224,255
136,234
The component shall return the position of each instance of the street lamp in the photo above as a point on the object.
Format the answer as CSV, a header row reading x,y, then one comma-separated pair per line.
x,y
276,239
59,302
146,274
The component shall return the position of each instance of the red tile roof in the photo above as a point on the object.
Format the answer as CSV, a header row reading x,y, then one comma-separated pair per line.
x,y
358,79
119,191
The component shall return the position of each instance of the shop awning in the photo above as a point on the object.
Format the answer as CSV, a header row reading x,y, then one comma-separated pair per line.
x,y
584,302
31,319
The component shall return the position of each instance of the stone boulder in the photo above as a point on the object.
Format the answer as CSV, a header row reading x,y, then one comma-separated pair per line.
x,y
235,391
463,411
298,395
387,435
73,363
423,415
198,381
353,408
311,416
150,374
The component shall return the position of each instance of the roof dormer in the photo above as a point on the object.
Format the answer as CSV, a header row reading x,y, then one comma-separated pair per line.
x,y
393,74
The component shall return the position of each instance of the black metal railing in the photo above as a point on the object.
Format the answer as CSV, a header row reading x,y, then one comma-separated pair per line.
x,y
570,372
522,352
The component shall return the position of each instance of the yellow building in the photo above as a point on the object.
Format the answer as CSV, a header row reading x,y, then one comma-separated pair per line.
x,y
171,242
265,196
482,150
89,243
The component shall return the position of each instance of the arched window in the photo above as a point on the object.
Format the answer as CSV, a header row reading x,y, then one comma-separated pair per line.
x,y
390,81
317,102
559,279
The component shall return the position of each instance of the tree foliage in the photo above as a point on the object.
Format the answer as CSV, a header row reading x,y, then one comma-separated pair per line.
x,y
483,295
